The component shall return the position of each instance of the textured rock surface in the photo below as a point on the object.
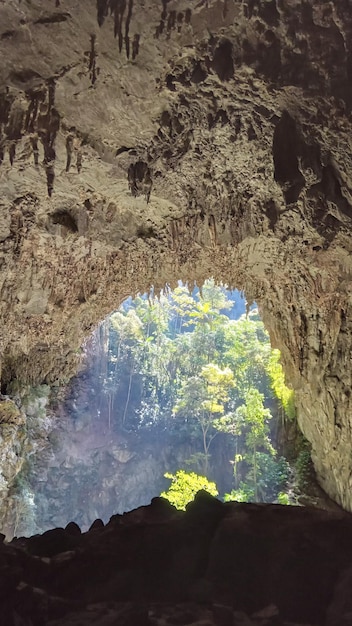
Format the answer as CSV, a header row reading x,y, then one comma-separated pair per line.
x,y
216,564
23,433
13,442
239,114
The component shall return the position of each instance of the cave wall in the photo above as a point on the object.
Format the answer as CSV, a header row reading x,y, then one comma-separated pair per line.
x,y
236,118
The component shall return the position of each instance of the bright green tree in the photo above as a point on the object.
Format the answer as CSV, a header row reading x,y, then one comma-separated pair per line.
x,y
277,378
184,486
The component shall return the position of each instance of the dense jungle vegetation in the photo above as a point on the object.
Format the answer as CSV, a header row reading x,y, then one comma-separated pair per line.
x,y
180,363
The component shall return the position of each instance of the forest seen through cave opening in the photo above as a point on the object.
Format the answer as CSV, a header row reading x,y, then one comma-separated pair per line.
x,y
176,392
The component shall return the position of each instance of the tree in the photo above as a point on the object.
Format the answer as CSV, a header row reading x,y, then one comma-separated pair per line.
x,y
251,419
244,346
277,378
203,306
184,486
142,357
256,418
178,355
202,398
270,481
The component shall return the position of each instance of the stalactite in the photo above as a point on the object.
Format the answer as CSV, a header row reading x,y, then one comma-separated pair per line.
x,y
102,11
92,67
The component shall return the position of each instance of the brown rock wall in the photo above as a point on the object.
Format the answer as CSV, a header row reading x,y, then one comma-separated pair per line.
x,y
239,114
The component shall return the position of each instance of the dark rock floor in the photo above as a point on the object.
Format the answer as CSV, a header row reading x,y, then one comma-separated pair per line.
x,y
215,564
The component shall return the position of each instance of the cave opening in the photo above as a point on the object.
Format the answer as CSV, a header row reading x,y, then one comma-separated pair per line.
x,y
181,386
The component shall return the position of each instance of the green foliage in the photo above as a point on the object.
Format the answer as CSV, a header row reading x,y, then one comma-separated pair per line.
x,y
178,363
184,486
283,498
277,377
245,348
198,459
265,484
270,478
160,344
251,419
243,494
202,398
303,465
256,417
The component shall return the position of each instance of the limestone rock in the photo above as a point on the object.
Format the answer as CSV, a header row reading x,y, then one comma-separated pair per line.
x,y
146,142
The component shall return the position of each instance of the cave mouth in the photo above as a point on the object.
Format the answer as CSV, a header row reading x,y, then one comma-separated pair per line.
x,y
181,381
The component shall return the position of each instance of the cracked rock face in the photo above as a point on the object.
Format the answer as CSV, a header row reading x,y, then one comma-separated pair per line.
x,y
142,142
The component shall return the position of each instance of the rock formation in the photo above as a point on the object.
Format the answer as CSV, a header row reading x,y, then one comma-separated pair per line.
x,y
142,142
213,565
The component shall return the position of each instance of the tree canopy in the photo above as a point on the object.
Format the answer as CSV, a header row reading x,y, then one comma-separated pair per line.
x,y
184,486
178,362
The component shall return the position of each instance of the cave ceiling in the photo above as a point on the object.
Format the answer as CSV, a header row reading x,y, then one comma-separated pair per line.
x,y
146,141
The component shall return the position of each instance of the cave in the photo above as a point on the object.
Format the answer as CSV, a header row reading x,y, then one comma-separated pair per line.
x,y
240,113
166,384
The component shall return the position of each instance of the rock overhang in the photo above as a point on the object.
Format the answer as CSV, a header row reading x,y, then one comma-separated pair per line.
x,y
241,114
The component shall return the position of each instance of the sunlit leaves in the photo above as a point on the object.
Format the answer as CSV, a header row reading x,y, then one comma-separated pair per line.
x,y
199,373
204,397
277,378
129,325
242,494
245,349
256,418
184,486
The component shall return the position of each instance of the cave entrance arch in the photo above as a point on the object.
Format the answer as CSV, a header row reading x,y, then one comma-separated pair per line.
x,y
257,194
297,302
156,376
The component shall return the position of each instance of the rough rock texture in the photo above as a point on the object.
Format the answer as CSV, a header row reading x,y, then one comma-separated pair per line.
x,y
23,434
236,117
216,564
12,446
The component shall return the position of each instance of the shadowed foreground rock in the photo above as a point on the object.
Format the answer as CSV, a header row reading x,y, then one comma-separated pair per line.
x,y
222,564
